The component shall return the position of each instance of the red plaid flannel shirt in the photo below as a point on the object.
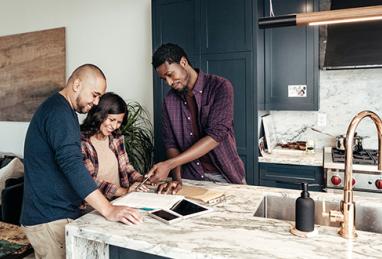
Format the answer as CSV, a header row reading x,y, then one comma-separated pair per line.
x,y
127,173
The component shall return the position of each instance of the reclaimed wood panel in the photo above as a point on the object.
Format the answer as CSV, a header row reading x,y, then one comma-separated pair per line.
x,y
32,67
13,241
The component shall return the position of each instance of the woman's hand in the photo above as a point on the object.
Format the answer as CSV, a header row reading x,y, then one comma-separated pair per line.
x,y
171,187
121,191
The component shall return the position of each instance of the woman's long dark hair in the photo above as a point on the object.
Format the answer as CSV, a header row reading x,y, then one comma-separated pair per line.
x,y
109,103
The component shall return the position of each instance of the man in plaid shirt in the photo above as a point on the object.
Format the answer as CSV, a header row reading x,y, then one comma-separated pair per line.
x,y
197,122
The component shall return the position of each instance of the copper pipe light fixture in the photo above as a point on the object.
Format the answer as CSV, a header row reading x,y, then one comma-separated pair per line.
x,y
358,14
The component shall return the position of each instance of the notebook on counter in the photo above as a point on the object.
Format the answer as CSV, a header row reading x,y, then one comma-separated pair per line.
x,y
148,200
201,194
163,207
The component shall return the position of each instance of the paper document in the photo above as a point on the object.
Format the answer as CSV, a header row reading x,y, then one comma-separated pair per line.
x,y
148,200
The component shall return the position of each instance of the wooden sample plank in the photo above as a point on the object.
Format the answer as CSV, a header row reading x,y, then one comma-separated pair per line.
x,y
32,67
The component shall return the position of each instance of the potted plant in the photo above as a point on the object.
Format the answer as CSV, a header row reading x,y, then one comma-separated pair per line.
x,y
138,133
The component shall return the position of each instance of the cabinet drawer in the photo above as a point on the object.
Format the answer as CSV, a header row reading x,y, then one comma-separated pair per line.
x,y
290,176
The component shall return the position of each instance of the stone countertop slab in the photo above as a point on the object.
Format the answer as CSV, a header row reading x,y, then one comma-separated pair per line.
x,y
293,157
230,231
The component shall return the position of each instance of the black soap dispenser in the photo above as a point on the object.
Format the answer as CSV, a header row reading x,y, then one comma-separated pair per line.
x,y
304,211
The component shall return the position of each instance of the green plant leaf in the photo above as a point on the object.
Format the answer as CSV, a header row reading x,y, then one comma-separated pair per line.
x,y
139,137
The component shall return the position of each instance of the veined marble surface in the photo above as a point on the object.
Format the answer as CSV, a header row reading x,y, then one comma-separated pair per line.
x,y
343,93
230,231
293,157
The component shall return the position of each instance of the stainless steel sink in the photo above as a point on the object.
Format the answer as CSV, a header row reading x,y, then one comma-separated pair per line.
x,y
283,208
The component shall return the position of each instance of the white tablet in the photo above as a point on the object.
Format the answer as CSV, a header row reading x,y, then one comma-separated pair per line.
x,y
187,208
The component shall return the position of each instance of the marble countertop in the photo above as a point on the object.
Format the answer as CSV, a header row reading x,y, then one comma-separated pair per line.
x,y
230,231
293,157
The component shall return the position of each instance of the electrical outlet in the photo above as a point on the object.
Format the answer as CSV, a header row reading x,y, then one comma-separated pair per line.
x,y
321,119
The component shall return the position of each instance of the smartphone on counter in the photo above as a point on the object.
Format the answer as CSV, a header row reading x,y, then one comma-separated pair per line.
x,y
165,216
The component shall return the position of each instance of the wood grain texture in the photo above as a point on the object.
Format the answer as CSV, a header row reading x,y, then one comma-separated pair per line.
x,y
343,14
12,233
32,67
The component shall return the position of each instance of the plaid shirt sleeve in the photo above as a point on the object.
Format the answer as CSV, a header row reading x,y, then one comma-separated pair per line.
x,y
221,114
127,172
91,163
167,131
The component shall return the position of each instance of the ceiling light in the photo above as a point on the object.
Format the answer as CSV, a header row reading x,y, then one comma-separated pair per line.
x,y
359,14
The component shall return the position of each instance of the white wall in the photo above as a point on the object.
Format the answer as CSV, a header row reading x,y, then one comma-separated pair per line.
x,y
115,35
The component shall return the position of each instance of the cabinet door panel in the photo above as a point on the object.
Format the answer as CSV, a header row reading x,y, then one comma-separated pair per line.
x,y
176,21
226,25
291,58
237,68
218,36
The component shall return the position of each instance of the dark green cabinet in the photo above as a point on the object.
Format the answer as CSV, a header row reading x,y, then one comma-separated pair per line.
x,y
238,68
226,26
116,252
291,57
176,21
219,34
291,176
222,37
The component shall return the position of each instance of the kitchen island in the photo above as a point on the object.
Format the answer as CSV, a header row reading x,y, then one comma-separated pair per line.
x,y
230,231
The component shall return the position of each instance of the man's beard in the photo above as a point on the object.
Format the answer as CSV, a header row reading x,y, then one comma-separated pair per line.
x,y
81,108
184,90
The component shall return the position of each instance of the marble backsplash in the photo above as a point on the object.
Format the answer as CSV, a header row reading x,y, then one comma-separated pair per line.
x,y
343,93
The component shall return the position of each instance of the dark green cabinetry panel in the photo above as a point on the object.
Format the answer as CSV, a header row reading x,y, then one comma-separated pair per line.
x,y
291,176
218,36
291,58
116,252
237,67
175,21
259,46
226,25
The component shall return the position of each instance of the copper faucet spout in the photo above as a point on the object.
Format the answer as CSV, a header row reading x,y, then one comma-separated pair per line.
x,y
347,229
348,146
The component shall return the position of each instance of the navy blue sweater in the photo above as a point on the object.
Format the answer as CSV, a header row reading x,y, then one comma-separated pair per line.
x,y
56,180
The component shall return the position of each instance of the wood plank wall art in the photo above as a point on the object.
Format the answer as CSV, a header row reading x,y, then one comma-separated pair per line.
x,y
32,67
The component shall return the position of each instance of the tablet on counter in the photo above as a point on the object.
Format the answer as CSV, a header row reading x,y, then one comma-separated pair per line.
x,y
180,210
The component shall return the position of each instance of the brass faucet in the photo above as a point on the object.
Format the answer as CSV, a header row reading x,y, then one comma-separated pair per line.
x,y
347,214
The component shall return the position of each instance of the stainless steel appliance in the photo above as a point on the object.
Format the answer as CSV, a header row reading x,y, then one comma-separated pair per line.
x,y
366,176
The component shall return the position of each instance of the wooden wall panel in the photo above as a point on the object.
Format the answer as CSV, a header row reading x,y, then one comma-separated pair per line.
x,y
32,67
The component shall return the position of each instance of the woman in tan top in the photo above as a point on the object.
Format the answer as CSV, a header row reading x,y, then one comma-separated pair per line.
x,y
103,148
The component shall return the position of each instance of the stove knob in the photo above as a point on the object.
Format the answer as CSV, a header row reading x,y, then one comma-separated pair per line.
x,y
336,180
353,182
378,183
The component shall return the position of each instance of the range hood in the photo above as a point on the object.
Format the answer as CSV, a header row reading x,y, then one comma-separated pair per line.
x,y
350,45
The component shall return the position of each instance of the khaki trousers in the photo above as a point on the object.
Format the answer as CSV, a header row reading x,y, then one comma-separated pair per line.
x,y
48,239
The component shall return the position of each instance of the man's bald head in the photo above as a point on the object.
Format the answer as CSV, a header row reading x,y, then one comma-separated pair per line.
x,y
84,87
86,71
